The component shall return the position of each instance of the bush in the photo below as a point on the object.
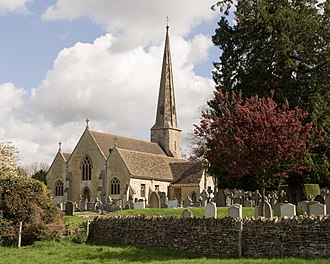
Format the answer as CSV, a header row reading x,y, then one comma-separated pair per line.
x,y
27,200
309,189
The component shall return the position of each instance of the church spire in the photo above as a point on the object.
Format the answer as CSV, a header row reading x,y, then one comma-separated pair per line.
x,y
165,131
166,112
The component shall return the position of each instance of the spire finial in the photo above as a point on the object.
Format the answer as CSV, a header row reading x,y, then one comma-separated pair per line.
x,y
60,146
167,20
87,121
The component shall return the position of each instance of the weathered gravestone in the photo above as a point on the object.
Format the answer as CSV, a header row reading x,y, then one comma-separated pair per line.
x,y
320,199
154,200
267,209
187,214
140,205
327,203
287,209
237,200
220,198
235,211
210,210
304,206
163,200
172,203
316,208
204,196
248,203
187,202
277,209
69,208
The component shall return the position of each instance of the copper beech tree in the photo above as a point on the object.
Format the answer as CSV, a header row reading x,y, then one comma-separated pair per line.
x,y
254,137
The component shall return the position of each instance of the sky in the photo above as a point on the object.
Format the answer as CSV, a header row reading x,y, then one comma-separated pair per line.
x,y
62,62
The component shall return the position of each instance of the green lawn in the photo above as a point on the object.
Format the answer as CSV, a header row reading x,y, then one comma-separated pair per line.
x,y
177,212
67,252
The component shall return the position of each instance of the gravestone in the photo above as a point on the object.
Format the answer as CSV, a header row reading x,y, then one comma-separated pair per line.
x,y
204,196
220,198
163,199
235,211
316,208
210,210
140,205
320,199
277,209
187,202
268,210
187,214
69,208
237,200
172,203
154,200
287,209
304,205
98,204
327,203
248,203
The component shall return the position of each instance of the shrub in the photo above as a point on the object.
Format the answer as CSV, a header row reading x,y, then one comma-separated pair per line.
x,y
27,200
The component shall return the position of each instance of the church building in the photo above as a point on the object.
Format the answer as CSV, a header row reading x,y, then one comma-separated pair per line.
x,y
104,165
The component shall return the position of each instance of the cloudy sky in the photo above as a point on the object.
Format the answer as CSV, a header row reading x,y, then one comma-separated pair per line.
x,y
64,61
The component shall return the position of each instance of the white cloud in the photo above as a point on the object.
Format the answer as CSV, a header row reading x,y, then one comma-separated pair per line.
x,y
117,91
137,22
18,6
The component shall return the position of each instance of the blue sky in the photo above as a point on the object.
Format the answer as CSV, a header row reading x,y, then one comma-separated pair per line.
x,y
64,61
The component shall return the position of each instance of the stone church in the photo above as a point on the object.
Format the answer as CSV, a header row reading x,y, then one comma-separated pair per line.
x,y
103,165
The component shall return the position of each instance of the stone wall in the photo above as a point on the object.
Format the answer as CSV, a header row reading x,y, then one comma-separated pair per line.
x,y
299,236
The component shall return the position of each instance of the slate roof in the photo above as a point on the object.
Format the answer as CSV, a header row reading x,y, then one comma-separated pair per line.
x,y
187,173
107,141
149,166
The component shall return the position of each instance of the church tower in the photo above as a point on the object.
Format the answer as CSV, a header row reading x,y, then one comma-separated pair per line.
x,y
165,131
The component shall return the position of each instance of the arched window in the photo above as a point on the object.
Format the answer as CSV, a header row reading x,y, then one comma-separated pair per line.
x,y
115,186
86,169
59,188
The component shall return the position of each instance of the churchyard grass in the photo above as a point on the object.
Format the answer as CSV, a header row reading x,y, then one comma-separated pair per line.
x,y
68,252
177,212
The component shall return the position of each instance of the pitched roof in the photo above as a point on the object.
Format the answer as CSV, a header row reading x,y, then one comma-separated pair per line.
x,y
107,142
187,173
148,166
66,156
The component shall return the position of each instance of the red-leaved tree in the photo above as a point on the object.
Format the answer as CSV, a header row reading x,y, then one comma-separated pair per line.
x,y
254,136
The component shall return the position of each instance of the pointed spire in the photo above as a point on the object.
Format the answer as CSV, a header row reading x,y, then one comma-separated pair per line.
x,y
166,112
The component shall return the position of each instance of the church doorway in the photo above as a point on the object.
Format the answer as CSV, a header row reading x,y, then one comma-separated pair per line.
x,y
86,194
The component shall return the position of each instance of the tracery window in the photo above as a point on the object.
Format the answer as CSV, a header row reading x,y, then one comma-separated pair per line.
x,y
115,186
86,169
59,188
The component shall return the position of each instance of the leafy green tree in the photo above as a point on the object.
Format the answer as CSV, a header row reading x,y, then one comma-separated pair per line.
x,y
276,45
40,176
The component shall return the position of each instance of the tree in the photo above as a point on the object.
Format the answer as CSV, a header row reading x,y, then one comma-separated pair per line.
x,y
276,45
40,176
34,167
8,159
254,137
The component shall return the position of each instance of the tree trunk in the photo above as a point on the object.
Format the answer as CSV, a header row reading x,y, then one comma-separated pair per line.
x,y
262,204
296,189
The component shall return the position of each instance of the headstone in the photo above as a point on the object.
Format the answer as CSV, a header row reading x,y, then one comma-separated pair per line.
x,y
304,205
187,214
235,211
320,199
198,203
140,205
287,209
91,206
204,196
210,210
248,203
154,200
172,203
237,200
327,203
220,198
187,202
268,210
98,204
163,200
316,208
277,209
69,208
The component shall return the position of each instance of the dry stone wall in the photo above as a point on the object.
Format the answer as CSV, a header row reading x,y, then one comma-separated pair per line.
x,y
298,236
